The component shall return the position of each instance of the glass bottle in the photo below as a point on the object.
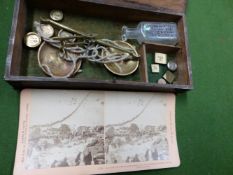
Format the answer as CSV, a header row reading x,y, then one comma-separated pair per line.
x,y
155,32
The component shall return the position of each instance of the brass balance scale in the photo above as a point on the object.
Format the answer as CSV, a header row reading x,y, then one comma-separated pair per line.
x,y
61,56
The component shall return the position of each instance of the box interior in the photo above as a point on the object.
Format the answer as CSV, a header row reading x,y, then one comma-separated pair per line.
x,y
106,21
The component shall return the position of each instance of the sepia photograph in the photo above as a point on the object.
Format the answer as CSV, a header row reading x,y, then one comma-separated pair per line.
x,y
134,130
68,136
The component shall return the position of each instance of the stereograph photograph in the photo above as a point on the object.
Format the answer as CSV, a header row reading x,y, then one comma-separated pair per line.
x,y
79,129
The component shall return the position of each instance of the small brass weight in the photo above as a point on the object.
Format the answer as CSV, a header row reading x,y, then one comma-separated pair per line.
x,y
61,56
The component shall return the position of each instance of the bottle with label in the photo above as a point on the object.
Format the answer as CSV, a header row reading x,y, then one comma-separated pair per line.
x,y
155,32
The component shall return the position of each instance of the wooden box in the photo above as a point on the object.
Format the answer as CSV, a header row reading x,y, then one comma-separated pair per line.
x,y
106,17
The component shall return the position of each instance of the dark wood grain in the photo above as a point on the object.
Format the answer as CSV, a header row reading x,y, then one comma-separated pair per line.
x,y
177,6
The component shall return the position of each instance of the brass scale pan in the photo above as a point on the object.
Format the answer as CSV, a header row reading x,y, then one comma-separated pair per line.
x,y
51,63
126,67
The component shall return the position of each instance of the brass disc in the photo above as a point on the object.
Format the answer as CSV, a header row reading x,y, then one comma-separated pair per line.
x,y
32,40
48,57
123,68
56,15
